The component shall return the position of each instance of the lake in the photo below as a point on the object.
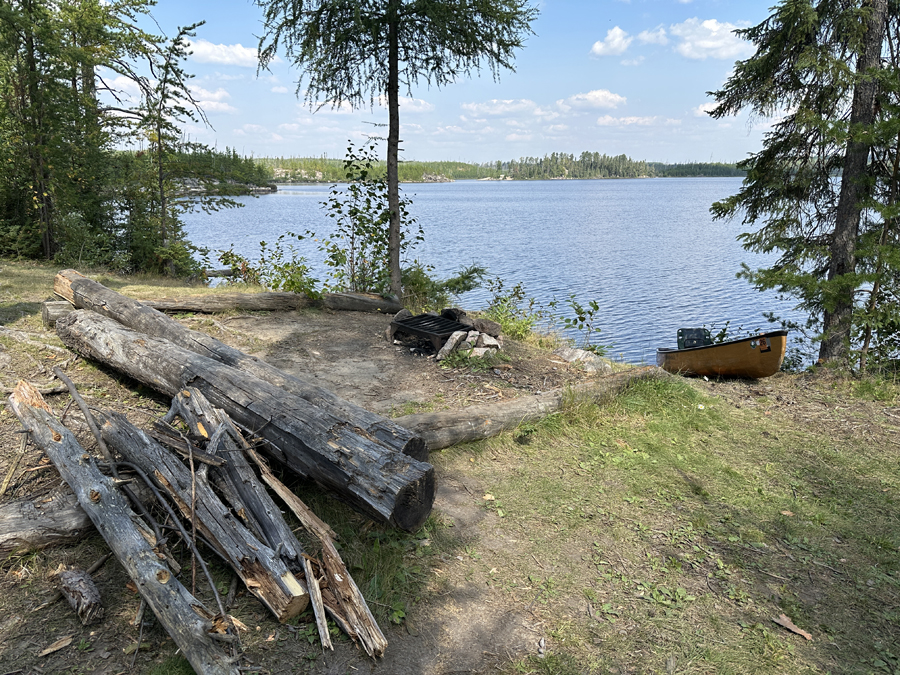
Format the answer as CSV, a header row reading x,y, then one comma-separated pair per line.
x,y
647,250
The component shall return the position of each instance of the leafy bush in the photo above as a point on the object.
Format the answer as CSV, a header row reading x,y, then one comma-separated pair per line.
x,y
278,268
358,250
422,293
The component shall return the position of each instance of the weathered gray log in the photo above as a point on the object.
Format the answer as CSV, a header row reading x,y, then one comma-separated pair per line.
x,y
260,568
85,293
79,589
444,429
51,310
173,605
386,485
355,618
361,302
248,496
46,520
245,493
223,302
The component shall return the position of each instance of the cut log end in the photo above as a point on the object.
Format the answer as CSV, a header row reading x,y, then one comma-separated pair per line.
x,y
414,503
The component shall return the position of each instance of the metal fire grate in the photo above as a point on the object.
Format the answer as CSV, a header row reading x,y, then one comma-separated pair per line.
x,y
434,328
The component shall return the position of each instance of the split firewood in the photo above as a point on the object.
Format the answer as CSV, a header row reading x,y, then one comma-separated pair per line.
x,y
110,512
85,293
246,494
261,569
385,485
354,618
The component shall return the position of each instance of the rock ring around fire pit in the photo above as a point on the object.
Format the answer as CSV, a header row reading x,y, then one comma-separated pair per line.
x,y
449,331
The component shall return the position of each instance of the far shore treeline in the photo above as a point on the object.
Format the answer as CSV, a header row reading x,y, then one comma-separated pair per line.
x,y
555,166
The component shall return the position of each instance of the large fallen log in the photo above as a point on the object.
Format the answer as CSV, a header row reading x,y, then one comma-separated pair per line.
x,y
258,566
386,485
174,606
85,293
477,422
223,302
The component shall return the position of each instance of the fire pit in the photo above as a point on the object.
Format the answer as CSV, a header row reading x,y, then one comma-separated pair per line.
x,y
434,328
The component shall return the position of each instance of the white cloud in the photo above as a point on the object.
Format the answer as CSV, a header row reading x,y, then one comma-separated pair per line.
x,y
409,105
633,62
709,39
609,121
518,137
206,95
657,36
616,42
556,128
704,109
500,107
280,90
228,55
250,129
216,106
598,98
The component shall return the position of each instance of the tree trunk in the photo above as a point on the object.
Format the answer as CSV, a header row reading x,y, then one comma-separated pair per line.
x,y
477,422
223,302
173,605
386,485
393,148
839,296
82,292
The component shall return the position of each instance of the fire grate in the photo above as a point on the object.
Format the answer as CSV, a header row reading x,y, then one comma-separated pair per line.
x,y
434,328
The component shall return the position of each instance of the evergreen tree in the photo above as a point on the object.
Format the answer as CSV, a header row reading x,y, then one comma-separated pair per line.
x,y
820,188
354,51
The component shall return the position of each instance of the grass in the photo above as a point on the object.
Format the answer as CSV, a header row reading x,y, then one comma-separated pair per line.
x,y
671,528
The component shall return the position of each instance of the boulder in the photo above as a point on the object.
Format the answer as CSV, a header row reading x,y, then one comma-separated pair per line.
x,y
492,328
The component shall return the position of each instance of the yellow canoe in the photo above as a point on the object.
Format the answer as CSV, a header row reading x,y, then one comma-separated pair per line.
x,y
756,356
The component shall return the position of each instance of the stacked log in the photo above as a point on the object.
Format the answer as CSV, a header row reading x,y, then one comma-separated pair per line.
x,y
387,486
87,294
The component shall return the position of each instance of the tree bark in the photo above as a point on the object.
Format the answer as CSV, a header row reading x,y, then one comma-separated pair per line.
x,y
43,520
361,302
385,485
78,588
173,605
837,320
82,292
477,422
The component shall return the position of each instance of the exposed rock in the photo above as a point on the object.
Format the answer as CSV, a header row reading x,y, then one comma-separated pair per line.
x,y
592,363
487,326
450,345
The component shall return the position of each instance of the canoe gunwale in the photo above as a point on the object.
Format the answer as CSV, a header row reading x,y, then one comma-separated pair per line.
x,y
774,333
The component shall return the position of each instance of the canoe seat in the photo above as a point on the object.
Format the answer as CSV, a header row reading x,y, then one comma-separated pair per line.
x,y
693,337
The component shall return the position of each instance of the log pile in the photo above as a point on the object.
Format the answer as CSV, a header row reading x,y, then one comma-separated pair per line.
x,y
213,483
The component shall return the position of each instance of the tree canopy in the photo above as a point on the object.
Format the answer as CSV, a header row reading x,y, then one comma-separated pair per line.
x,y
823,190
359,52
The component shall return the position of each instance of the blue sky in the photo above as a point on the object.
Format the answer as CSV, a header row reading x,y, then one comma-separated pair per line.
x,y
612,76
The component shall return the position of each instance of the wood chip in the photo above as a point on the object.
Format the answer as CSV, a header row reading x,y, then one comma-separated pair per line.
x,y
785,622
56,646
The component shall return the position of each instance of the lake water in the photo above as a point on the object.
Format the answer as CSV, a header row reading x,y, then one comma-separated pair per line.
x,y
646,250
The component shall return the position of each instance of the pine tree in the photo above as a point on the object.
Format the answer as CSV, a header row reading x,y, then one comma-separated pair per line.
x,y
818,190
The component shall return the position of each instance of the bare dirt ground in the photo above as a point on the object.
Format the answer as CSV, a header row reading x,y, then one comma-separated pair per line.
x,y
460,625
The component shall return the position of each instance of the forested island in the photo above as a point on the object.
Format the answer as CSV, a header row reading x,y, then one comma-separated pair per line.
x,y
555,166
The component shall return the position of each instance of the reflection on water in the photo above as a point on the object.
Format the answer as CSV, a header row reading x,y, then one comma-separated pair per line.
x,y
646,250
